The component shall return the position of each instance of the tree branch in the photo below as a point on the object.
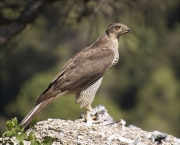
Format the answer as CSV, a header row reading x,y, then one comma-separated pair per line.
x,y
27,16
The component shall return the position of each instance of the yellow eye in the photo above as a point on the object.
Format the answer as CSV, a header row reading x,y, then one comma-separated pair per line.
x,y
117,27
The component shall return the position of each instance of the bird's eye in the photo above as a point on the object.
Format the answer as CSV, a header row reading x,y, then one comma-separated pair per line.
x,y
117,27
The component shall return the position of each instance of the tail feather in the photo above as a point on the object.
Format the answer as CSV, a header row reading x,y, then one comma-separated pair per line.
x,y
38,108
35,111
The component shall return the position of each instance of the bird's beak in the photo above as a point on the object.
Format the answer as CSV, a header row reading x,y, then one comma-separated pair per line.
x,y
126,30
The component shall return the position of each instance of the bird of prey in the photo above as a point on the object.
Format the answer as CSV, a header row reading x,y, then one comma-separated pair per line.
x,y
83,73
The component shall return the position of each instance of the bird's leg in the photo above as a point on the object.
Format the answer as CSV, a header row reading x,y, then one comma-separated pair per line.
x,y
89,119
88,113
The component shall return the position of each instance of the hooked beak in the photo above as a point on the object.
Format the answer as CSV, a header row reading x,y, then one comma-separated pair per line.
x,y
126,30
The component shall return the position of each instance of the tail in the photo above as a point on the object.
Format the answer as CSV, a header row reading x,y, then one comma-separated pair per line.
x,y
37,109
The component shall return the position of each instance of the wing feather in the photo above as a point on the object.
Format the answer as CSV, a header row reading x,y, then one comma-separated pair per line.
x,y
84,68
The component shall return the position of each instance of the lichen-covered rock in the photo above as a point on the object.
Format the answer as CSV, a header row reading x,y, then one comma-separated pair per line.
x,y
78,132
103,130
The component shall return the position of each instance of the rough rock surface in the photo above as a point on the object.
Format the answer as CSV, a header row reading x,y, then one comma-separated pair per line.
x,y
103,131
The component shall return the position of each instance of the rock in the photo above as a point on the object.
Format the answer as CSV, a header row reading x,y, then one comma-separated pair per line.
x,y
104,130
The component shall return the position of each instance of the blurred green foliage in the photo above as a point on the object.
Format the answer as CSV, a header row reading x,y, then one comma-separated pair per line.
x,y
143,88
14,130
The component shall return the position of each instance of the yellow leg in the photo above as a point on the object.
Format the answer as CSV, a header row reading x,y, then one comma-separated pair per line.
x,y
88,116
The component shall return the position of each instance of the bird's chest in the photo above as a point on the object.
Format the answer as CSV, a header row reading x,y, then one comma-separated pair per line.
x,y
114,48
116,57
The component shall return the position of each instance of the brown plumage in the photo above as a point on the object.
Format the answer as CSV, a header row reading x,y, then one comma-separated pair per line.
x,y
83,73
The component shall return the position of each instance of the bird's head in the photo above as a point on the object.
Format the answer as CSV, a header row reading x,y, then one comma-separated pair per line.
x,y
116,30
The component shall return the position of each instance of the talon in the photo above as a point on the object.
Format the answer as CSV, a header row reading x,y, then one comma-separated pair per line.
x,y
94,117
